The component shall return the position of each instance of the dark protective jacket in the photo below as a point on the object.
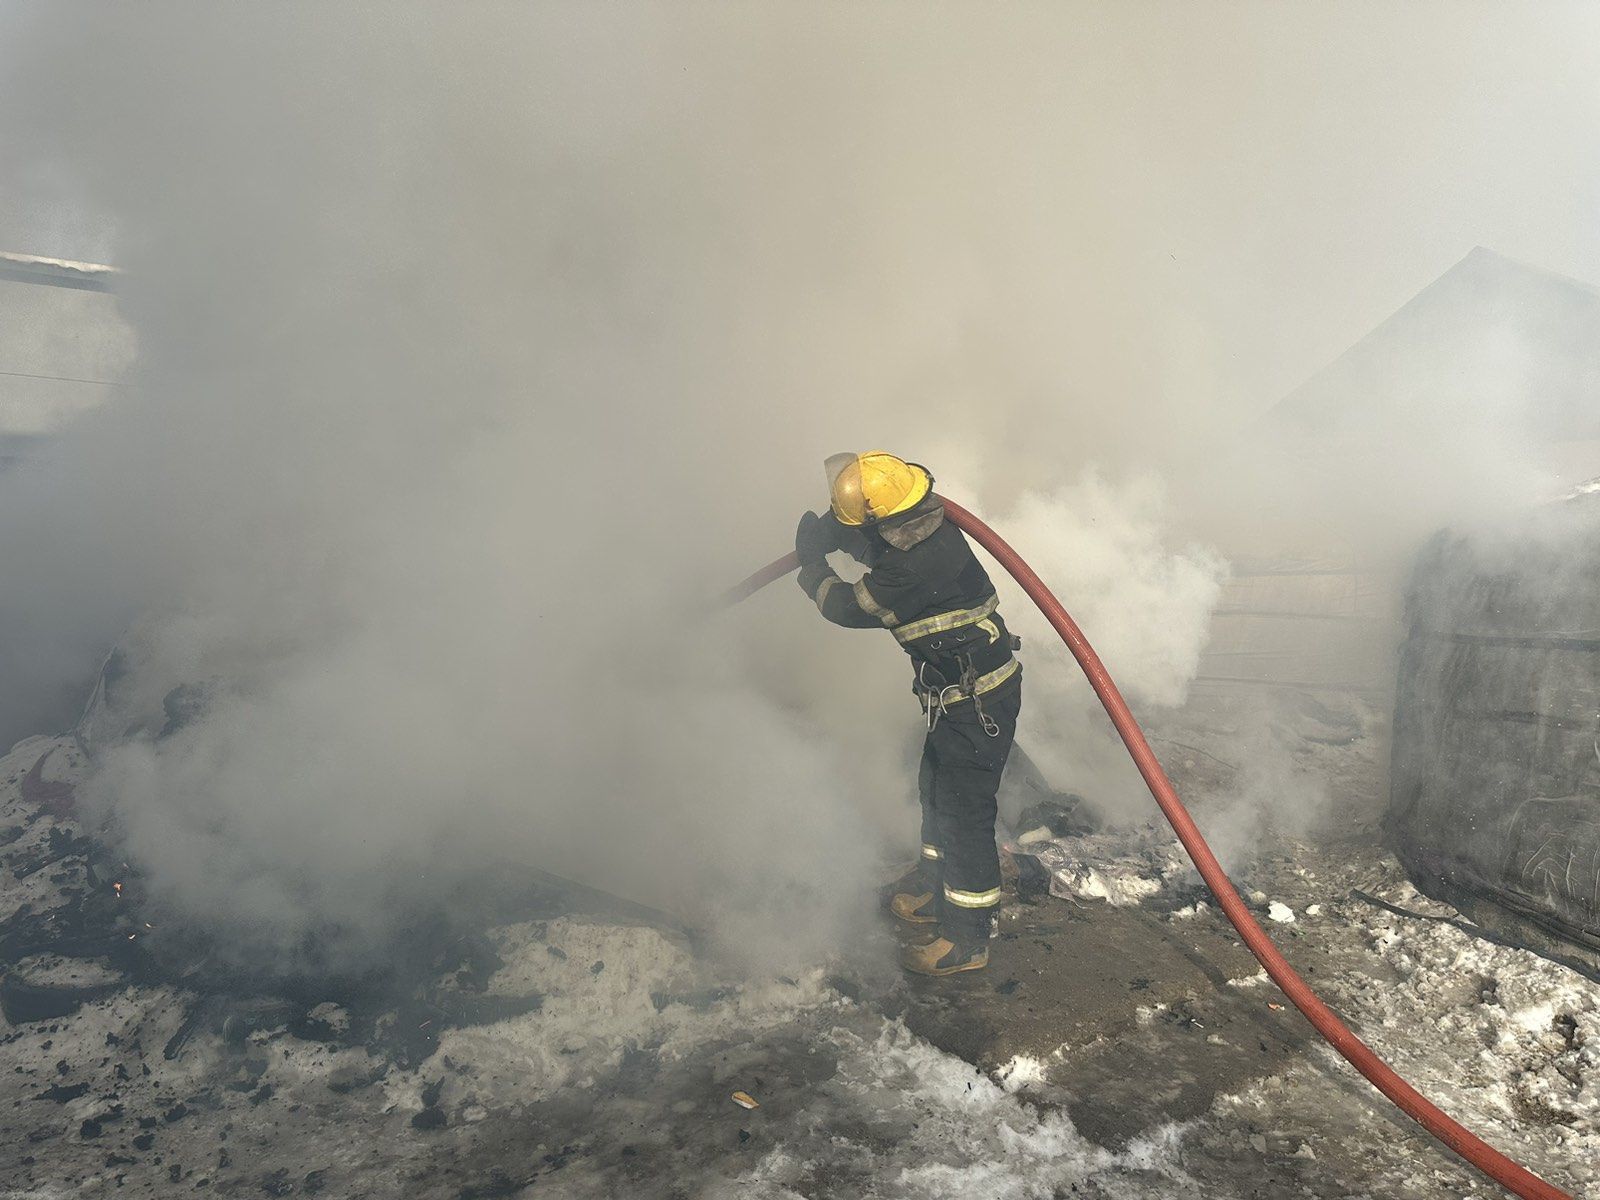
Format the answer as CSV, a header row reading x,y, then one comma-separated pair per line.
x,y
925,586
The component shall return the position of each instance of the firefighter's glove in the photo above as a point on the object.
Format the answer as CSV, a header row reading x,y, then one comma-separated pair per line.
x,y
814,539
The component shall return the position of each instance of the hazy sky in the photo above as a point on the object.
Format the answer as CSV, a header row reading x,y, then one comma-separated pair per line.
x,y
1244,188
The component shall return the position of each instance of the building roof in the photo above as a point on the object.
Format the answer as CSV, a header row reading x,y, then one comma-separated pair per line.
x,y
1491,341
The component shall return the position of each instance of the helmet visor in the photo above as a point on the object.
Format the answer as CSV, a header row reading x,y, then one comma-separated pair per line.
x,y
844,488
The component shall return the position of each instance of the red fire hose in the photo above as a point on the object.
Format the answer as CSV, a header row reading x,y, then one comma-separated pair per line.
x,y
1468,1145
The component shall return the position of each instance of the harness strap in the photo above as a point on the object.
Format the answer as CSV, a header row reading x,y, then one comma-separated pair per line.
x,y
958,694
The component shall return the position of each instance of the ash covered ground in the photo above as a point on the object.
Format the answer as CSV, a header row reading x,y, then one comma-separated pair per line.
x,y
1121,1043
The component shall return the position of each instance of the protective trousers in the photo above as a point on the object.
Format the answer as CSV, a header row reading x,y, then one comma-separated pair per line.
x,y
958,781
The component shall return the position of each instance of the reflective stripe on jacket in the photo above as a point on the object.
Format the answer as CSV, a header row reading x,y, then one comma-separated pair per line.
x,y
925,585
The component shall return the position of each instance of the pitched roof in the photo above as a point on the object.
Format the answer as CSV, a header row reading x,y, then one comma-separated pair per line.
x,y
1491,340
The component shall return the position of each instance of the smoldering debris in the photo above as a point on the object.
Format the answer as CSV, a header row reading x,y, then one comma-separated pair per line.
x,y
619,1078
84,932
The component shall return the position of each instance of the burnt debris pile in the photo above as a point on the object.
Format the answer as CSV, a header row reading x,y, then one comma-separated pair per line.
x,y
83,927
1495,775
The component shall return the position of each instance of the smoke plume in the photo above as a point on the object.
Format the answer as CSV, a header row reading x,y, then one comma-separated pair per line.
x,y
478,349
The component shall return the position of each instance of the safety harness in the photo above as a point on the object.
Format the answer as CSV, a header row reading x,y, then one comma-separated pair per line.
x,y
936,693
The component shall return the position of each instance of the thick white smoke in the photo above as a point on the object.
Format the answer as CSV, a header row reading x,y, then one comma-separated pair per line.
x,y
466,378
1144,605
427,467
477,348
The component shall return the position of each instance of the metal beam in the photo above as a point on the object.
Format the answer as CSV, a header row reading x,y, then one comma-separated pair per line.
x,y
58,272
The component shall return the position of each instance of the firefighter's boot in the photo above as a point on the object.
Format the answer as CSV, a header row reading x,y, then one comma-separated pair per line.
x,y
914,898
913,905
942,956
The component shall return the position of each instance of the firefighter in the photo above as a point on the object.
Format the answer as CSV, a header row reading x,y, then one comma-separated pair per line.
x,y
926,587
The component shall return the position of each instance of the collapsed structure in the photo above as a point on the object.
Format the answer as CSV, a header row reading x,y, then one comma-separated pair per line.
x,y
1495,773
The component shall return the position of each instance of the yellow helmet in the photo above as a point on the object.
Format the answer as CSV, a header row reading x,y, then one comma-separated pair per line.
x,y
869,487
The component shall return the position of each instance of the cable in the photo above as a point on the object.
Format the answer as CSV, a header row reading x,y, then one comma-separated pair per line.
x,y
1516,1178
63,379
